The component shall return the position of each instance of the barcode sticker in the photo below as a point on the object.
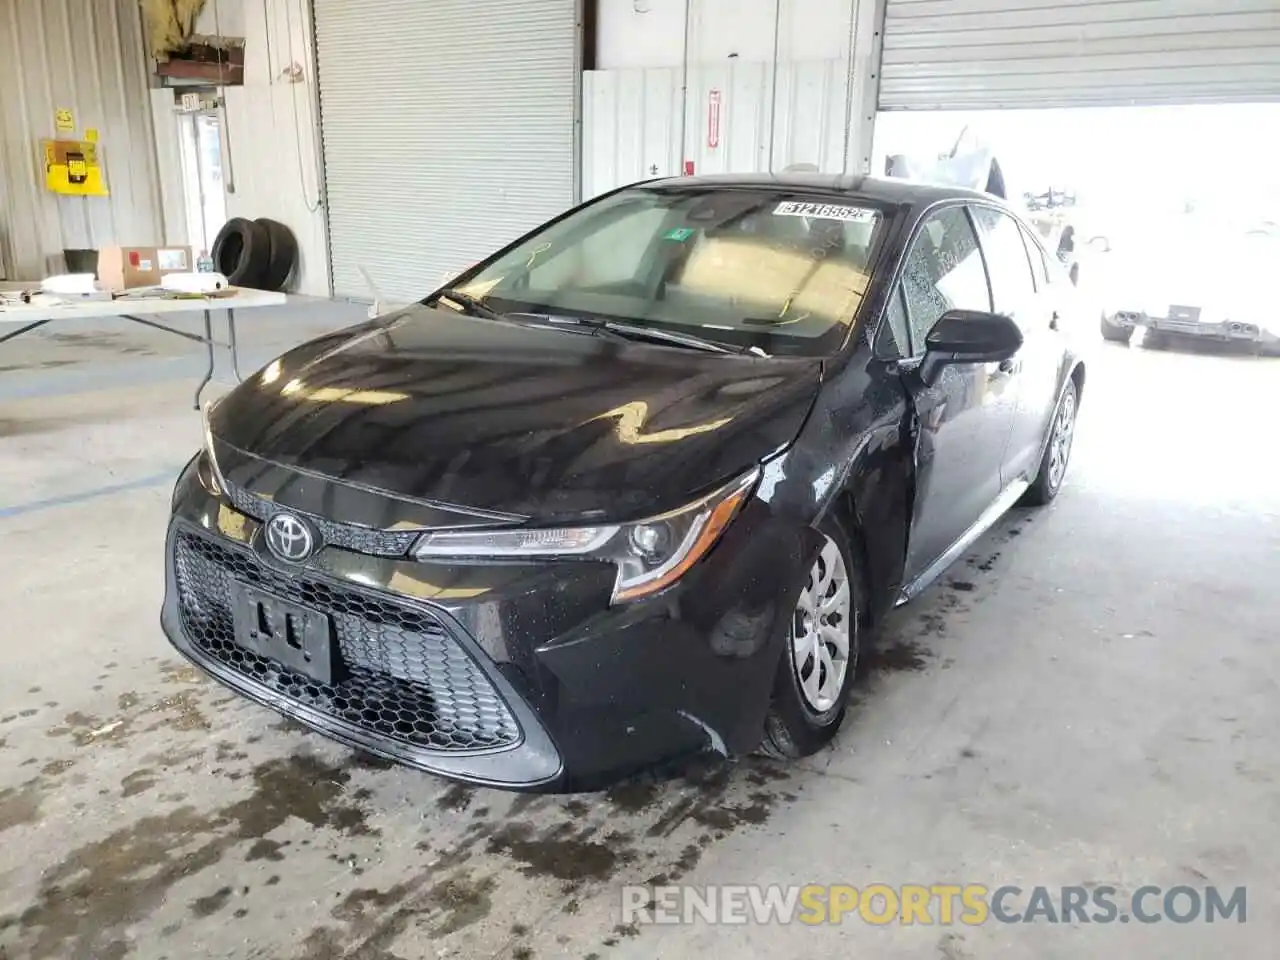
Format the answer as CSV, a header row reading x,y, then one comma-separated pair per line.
x,y
825,211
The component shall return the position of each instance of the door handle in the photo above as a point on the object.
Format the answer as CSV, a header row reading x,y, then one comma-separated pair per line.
x,y
1053,321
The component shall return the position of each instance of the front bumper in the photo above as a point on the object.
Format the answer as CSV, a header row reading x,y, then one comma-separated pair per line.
x,y
1189,322
509,675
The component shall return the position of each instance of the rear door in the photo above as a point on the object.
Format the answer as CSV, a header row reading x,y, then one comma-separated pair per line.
x,y
966,416
1018,294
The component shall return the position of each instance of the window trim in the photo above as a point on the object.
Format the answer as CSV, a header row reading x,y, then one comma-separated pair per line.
x,y
897,293
1047,260
1039,269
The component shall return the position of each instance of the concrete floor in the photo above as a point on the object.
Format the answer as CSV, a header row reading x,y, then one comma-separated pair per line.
x,y
1089,697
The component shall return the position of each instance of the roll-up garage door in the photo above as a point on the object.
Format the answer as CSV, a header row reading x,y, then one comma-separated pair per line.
x,y
983,54
447,129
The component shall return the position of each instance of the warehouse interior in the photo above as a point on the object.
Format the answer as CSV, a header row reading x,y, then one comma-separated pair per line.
x,y
1085,699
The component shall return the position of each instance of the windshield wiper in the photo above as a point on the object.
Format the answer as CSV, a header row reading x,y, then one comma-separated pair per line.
x,y
667,336
626,331
579,325
683,339
472,305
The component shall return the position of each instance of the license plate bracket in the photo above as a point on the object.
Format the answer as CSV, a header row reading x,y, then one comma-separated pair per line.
x,y
297,637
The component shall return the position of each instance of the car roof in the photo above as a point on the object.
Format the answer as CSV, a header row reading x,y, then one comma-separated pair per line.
x,y
889,190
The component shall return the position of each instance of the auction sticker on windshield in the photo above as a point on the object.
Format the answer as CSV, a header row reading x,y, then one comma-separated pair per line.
x,y
825,211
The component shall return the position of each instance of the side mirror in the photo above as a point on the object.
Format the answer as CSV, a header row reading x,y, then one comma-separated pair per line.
x,y
968,336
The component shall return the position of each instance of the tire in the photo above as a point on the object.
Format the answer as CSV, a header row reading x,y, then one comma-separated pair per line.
x,y
242,251
1044,489
1114,332
283,254
805,715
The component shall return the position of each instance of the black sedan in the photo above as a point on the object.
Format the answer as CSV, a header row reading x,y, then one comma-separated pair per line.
x,y
641,485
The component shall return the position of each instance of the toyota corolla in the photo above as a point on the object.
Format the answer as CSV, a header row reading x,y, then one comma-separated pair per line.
x,y
642,484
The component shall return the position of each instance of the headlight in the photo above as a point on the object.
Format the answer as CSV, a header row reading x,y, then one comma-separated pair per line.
x,y
213,482
649,554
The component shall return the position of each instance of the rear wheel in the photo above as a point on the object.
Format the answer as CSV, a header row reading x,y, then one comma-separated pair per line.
x,y
1057,452
811,692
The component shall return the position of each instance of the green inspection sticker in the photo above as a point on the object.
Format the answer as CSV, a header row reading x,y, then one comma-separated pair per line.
x,y
679,234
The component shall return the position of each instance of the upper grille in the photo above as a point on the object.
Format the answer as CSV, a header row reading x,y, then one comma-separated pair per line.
x,y
407,679
349,536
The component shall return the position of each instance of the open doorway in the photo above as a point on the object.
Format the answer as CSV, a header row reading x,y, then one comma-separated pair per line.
x,y
200,134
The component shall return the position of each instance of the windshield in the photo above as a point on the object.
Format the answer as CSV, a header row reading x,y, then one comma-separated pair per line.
x,y
763,268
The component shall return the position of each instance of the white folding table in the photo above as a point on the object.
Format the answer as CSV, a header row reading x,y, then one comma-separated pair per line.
x,y
138,309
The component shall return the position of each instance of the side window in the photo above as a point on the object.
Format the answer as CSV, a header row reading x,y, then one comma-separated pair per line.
x,y
1012,285
893,338
943,272
1039,259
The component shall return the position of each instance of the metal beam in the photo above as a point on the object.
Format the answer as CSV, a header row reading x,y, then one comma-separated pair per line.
x,y
866,55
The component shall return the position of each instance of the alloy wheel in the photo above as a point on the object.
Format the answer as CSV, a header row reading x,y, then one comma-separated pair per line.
x,y
822,635
1064,429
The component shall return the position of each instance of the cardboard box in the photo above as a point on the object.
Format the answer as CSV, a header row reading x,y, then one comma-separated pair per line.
x,y
125,268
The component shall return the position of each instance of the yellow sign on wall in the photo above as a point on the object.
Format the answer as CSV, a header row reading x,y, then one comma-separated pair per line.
x,y
71,167
64,120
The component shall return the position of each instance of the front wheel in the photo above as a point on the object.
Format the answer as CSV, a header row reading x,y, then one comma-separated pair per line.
x,y
811,692
1057,452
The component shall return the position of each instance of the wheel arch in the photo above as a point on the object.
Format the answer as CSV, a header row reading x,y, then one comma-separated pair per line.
x,y
1077,375
875,504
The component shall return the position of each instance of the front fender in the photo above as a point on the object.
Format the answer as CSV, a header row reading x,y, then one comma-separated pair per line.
x,y
855,455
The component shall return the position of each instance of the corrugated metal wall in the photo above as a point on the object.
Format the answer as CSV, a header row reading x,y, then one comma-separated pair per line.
x,y
981,54
730,87
271,131
650,33
88,56
632,118
448,130
271,166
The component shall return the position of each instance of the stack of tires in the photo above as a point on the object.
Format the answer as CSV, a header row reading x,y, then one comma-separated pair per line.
x,y
260,254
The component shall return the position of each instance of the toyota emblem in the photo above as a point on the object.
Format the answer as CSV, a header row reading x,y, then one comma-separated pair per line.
x,y
289,538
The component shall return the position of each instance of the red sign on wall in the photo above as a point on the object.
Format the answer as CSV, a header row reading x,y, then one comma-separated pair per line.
x,y
713,119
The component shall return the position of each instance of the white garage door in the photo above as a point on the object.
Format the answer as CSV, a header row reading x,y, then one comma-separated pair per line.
x,y
448,130
980,54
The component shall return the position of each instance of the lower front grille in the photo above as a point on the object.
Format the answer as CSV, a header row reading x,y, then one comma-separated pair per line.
x,y
406,678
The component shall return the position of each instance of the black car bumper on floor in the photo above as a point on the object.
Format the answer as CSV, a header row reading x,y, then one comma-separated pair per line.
x,y
1187,322
511,675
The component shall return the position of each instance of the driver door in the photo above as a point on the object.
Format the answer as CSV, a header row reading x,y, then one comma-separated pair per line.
x,y
964,419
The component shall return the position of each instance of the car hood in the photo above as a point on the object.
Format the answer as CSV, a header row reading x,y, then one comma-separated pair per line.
x,y
442,419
